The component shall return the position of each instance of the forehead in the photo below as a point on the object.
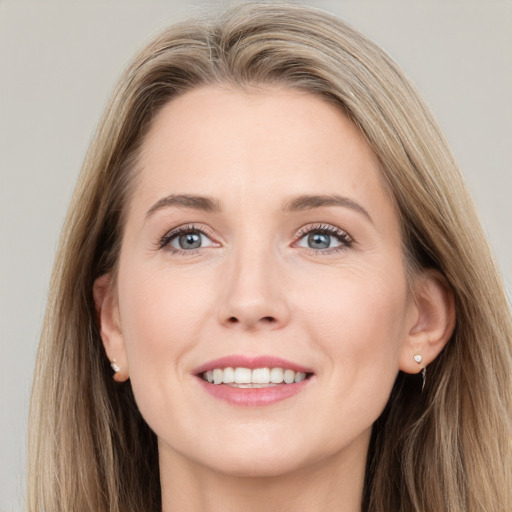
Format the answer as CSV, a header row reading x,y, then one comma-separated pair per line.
x,y
268,142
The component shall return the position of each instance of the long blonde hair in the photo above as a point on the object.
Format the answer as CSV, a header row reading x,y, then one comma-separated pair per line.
x,y
446,449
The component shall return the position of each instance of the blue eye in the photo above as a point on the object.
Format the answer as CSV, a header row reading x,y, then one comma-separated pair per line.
x,y
321,241
186,239
190,240
323,238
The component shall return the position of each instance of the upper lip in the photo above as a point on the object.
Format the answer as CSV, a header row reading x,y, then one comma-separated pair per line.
x,y
252,362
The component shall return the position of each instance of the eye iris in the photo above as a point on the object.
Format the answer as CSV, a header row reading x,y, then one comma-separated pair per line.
x,y
190,240
319,241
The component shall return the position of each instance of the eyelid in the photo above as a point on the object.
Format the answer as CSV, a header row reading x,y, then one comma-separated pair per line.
x,y
321,226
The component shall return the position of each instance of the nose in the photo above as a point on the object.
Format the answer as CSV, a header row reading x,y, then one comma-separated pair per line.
x,y
253,292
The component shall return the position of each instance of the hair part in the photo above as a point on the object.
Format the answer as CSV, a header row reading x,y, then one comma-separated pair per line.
x,y
446,449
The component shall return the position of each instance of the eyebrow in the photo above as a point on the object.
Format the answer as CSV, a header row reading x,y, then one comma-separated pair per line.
x,y
206,204
299,203
309,202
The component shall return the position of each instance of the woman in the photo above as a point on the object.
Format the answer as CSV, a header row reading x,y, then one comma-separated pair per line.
x,y
272,290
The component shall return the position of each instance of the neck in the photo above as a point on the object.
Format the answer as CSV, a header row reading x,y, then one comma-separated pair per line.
x,y
332,484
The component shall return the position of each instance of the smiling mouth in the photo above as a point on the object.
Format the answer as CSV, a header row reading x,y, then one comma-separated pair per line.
x,y
241,377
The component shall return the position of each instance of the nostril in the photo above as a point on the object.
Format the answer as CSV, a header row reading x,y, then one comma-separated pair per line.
x,y
264,319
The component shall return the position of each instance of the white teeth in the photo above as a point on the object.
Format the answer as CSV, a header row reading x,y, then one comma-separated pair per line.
x,y
276,375
218,376
243,375
289,376
229,376
299,376
259,377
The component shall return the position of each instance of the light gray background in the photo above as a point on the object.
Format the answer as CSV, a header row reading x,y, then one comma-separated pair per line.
x,y
58,64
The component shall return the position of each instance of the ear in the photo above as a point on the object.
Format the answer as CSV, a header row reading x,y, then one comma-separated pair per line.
x,y
110,327
432,323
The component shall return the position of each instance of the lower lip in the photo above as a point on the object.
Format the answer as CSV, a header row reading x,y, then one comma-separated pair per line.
x,y
253,397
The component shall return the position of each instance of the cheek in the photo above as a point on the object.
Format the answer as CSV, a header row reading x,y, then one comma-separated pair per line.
x,y
359,321
358,325
161,317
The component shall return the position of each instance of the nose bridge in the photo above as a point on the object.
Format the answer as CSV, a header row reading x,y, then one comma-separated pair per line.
x,y
253,296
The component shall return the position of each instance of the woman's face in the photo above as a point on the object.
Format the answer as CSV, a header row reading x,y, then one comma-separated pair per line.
x,y
259,236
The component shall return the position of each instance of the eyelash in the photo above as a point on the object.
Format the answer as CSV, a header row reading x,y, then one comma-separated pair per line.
x,y
343,237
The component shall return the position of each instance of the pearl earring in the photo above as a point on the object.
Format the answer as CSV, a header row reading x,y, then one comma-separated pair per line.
x,y
114,366
419,359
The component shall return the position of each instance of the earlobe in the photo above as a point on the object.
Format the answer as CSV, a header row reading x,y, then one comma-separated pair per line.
x,y
433,323
110,326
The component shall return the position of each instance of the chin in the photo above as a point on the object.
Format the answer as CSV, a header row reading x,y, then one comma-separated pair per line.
x,y
254,456
271,465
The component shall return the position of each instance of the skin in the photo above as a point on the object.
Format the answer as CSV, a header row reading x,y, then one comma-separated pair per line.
x,y
256,287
